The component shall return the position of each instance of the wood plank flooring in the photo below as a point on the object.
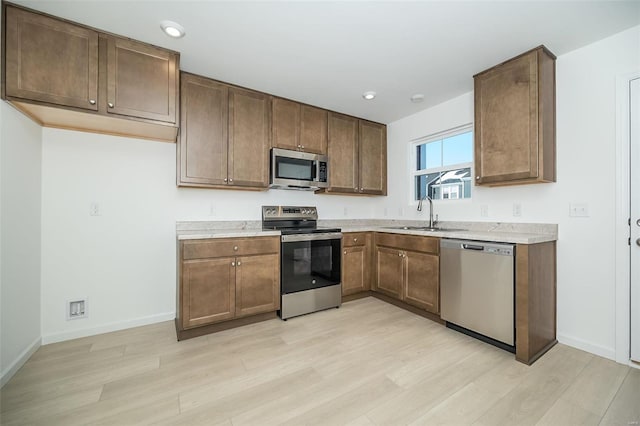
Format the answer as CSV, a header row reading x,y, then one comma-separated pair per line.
x,y
367,363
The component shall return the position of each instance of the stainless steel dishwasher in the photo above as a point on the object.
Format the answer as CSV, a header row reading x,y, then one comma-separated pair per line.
x,y
477,290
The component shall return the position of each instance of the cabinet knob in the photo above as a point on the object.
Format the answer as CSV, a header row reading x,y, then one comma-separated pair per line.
x,y
477,177
355,240
355,189
225,179
233,263
92,101
399,254
110,104
344,252
230,179
239,263
299,146
235,248
302,147
361,189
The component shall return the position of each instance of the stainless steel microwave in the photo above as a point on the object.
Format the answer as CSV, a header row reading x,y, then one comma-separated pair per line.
x,y
298,170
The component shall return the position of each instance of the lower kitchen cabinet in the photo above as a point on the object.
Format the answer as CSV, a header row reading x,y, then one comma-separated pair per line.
x,y
422,283
224,279
257,284
389,272
208,291
356,262
408,269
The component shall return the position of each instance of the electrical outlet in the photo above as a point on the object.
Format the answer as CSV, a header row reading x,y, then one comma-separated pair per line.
x,y
94,209
517,209
579,210
484,210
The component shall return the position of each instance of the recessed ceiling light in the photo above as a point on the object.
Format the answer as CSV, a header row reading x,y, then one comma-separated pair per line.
x,y
369,95
417,98
172,29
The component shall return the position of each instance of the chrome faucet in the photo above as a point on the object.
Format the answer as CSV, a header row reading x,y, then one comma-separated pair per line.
x,y
426,197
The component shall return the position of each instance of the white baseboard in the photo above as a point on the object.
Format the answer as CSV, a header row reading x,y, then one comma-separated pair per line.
x,y
19,362
106,328
603,351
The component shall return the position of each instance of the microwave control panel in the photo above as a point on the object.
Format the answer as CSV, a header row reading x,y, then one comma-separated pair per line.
x,y
322,171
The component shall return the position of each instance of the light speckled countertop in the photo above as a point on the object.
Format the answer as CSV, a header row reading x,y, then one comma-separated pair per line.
x,y
519,233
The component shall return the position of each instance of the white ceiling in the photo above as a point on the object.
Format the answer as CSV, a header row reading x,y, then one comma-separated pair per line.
x,y
329,53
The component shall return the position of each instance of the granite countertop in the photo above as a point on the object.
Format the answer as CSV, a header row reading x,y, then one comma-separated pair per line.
x,y
518,233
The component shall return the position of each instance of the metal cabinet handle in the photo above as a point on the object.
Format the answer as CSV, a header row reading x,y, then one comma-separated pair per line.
x,y
230,179
355,240
239,263
110,104
92,101
477,177
344,252
225,179
399,254
235,248
302,147
233,263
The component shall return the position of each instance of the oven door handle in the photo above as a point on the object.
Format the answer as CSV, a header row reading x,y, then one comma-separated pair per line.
x,y
311,237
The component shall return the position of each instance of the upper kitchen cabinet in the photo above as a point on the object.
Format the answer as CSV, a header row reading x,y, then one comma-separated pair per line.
x,y
68,75
51,61
357,156
515,121
141,80
224,135
298,127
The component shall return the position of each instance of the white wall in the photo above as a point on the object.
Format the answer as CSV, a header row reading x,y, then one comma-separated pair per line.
x,y
20,189
586,138
123,261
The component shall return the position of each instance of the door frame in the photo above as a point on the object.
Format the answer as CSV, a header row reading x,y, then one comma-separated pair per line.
x,y
623,206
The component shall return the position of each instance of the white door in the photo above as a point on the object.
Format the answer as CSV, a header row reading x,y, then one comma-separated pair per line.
x,y
634,111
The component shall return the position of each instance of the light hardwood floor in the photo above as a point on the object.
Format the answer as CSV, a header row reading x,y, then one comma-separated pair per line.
x,y
366,363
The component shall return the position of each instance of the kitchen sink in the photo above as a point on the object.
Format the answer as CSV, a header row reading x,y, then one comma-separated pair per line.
x,y
423,228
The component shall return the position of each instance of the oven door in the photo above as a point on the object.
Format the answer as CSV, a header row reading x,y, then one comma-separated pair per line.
x,y
310,261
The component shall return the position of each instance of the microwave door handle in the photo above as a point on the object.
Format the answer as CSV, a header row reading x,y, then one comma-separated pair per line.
x,y
314,171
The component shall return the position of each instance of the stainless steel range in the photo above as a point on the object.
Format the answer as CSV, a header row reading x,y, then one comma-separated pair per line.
x,y
309,262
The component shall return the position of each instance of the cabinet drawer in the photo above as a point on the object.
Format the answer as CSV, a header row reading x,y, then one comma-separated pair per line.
x,y
353,239
224,247
409,242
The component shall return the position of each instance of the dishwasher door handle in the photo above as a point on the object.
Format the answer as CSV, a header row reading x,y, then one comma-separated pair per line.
x,y
472,247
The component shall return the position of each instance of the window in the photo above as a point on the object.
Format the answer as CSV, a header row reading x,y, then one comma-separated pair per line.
x,y
442,165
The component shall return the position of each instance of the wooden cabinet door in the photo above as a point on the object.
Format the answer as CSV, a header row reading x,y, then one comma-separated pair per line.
x,y
422,283
373,158
389,272
50,60
249,141
141,80
355,270
506,121
313,129
203,131
257,284
343,153
208,291
285,129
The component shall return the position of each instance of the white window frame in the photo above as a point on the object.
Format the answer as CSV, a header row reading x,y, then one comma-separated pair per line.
x,y
432,138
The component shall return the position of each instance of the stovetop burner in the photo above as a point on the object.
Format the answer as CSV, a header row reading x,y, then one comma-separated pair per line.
x,y
292,220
